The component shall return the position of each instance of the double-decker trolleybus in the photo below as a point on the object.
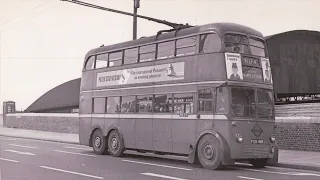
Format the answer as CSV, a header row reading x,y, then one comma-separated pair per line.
x,y
204,92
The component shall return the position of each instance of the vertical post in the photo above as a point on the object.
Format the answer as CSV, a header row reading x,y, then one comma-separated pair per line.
x,y
135,11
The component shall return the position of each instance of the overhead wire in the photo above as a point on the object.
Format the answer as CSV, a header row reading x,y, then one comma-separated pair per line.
x,y
33,16
32,9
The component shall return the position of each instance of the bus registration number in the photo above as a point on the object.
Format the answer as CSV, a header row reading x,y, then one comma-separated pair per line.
x,y
256,141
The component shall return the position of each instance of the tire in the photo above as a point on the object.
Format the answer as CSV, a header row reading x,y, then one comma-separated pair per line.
x,y
115,144
99,143
258,163
209,152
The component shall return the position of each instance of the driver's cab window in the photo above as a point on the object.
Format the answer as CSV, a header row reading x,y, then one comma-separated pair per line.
x,y
243,102
222,100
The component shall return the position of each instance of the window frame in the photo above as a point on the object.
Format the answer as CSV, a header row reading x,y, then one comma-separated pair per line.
x,y
96,58
230,102
93,63
119,99
193,94
169,95
213,99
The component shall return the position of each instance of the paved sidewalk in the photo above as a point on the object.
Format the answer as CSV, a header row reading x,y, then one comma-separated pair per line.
x,y
287,158
40,135
299,160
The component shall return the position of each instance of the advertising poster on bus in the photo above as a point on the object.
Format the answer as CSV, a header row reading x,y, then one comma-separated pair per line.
x,y
157,73
234,66
267,76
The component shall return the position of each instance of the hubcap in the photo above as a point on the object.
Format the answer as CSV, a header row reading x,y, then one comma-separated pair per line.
x,y
97,142
114,143
209,152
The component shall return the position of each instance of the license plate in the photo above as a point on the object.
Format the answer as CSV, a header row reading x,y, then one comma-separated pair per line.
x,y
257,141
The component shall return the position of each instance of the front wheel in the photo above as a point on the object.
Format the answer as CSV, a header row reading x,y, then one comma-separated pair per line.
x,y
258,163
115,144
209,152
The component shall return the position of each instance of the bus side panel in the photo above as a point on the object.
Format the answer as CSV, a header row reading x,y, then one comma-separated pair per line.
x,y
211,67
127,129
84,130
183,134
85,109
111,121
143,133
98,122
162,137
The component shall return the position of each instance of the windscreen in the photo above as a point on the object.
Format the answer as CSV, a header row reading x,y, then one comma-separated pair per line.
x,y
251,103
265,99
243,102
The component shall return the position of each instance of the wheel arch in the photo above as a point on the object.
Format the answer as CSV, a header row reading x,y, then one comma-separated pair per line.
x,y
114,128
94,128
225,150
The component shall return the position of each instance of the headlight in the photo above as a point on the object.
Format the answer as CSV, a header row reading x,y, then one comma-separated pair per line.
x,y
239,138
273,138
272,150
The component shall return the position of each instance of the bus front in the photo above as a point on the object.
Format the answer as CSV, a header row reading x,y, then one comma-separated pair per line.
x,y
250,102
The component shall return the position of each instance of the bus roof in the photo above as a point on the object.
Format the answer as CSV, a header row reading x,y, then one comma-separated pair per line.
x,y
220,28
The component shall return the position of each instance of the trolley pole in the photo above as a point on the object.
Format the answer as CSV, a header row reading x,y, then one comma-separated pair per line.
x,y
135,11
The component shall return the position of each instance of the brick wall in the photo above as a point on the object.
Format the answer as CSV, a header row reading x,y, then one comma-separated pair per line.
x,y
61,123
298,133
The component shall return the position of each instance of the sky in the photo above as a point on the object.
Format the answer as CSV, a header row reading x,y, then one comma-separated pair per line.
x,y
43,42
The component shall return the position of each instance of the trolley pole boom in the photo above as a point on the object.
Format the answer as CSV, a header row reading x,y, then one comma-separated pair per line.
x,y
175,26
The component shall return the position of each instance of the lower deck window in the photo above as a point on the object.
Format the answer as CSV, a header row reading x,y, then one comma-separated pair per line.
x,y
183,103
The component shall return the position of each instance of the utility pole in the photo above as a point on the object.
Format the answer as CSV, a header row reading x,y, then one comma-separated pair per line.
x,y
136,5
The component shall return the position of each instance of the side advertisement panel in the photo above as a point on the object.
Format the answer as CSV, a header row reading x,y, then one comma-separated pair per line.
x,y
157,73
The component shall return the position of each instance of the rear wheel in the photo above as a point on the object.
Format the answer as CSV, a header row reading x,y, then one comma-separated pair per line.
x,y
99,143
258,163
209,152
115,144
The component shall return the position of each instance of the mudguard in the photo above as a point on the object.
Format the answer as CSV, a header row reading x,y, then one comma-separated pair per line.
x,y
224,149
95,127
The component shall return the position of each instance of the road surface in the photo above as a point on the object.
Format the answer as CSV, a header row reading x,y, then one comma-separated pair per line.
x,y
31,159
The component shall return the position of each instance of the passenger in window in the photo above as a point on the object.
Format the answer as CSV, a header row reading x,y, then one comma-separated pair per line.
x,y
157,108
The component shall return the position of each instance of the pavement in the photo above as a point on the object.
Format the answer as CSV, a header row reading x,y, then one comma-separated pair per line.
x,y
28,154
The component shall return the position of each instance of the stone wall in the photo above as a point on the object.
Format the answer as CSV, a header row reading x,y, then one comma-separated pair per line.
x,y
61,123
293,133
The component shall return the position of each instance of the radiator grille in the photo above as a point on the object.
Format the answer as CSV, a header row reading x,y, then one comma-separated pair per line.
x,y
256,151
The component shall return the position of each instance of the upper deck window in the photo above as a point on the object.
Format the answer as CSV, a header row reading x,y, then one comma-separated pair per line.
x,y
165,50
147,53
90,63
102,61
115,58
131,56
186,46
236,43
242,44
257,47
209,43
